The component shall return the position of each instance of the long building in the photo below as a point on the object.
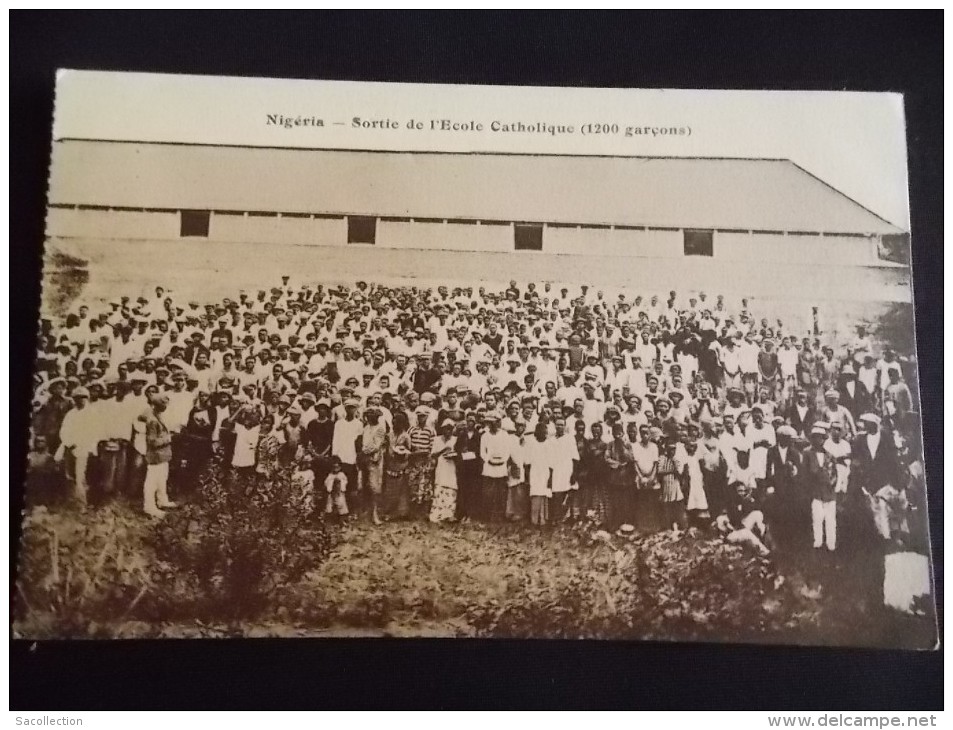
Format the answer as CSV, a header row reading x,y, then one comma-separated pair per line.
x,y
759,227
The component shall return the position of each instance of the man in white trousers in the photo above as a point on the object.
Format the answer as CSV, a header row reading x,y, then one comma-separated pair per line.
x,y
158,456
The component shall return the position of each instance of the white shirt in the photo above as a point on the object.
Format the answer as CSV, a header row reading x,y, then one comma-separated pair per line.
x,y
246,443
565,452
539,457
80,430
495,447
759,455
837,450
345,434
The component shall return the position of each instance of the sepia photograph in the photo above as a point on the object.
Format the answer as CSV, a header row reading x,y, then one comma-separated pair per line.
x,y
292,391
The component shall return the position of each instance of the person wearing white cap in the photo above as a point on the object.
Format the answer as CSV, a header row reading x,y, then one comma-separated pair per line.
x,y
344,444
834,412
79,439
820,478
875,459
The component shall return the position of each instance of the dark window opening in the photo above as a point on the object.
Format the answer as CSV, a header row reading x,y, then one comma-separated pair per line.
x,y
895,248
699,243
194,223
529,238
361,229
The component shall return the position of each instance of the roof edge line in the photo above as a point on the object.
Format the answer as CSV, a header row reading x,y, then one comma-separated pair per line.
x,y
486,153
845,196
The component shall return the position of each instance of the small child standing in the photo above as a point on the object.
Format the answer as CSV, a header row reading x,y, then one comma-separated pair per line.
x,y
336,486
673,509
302,481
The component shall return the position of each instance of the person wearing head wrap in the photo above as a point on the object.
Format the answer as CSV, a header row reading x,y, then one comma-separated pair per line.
x,y
443,508
396,498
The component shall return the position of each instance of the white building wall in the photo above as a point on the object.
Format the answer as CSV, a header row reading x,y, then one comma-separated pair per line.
x,y
448,236
136,225
779,248
275,229
612,242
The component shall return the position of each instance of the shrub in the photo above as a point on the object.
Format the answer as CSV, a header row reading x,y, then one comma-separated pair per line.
x,y
656,587
228,553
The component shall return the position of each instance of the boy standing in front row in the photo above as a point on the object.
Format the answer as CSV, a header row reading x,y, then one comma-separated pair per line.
x,y
336,486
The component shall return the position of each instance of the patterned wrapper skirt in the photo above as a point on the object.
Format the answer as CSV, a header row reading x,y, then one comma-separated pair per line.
x,y
444,505
420,476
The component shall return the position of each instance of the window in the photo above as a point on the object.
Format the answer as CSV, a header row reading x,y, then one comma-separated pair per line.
x,y
699,243
361,229
193,223
895,247
529,238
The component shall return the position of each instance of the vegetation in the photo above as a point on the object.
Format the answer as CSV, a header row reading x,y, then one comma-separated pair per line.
x,y
226,569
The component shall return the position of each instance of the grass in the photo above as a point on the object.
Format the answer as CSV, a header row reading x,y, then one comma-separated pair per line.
x,y
419,579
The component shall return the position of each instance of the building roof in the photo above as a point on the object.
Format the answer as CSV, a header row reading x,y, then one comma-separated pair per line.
x,y
719,193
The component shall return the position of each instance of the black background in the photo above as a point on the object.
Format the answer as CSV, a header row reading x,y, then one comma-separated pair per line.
x,y
857,51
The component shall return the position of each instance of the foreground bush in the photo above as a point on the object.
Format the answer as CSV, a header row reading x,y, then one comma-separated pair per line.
x,y
657,587
213,565
225,556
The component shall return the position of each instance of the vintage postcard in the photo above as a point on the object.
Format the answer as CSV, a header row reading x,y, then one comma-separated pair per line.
x,y
338,359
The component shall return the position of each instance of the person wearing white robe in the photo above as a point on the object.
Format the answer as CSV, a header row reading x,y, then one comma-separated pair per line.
x,y
538,458
565,457
762,437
